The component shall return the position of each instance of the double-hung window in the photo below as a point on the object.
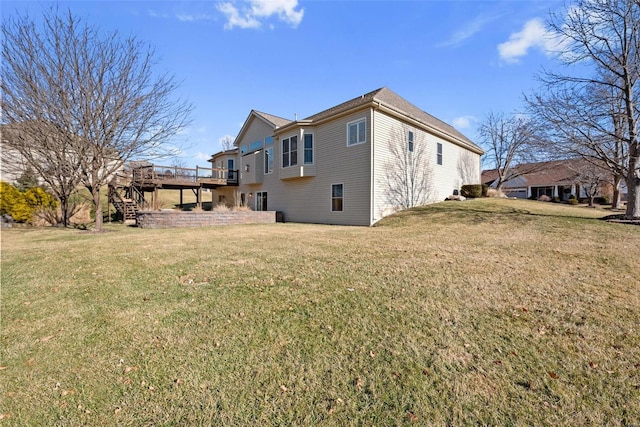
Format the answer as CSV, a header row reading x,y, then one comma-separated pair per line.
x,y
439,157
356,132
268,160
290,151
410,141
337,197
308,148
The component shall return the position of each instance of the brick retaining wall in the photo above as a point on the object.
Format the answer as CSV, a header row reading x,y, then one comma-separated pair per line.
x,y
177,219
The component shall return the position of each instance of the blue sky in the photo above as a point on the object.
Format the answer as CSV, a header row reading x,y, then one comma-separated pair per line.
x,y
457,60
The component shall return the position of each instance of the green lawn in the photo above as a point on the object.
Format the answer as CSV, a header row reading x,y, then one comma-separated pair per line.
x,y
492,312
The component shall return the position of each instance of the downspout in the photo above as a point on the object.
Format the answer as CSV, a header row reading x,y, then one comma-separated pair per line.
x,y
372,187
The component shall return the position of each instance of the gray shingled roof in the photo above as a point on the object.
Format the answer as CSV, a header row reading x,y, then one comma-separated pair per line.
x,y
394,101
275,120
554,172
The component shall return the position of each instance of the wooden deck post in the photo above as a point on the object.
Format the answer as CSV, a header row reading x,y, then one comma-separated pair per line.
x,y
155,197
199,197
181,198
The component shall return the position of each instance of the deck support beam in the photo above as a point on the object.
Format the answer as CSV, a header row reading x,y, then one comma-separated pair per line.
x,y
155,198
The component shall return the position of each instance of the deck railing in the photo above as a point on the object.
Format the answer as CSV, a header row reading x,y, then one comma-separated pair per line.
x,y
156,173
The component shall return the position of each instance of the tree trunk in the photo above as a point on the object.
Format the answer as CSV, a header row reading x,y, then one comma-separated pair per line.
x,y
615,198
633,188
633,198
97,202
64,211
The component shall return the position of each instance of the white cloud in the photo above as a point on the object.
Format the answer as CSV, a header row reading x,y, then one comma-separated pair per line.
x,y
533,35
251,13
154,14
184,17
468,30
234,19
202,156
464,122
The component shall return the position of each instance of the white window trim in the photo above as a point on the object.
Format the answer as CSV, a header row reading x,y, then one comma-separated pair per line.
x,y
313,148
362,119
331,197
282,166
411,141
273,160
259,200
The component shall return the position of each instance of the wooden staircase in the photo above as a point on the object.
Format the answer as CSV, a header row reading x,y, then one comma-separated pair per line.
x,y
127,207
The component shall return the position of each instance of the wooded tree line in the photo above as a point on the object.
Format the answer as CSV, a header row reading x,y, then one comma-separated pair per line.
x,y
593,116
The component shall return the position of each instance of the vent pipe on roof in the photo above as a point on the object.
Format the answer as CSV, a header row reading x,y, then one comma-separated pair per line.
x,y
295,115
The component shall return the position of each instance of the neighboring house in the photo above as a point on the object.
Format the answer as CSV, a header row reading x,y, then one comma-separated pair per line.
x,y
335,167
13,164
560,178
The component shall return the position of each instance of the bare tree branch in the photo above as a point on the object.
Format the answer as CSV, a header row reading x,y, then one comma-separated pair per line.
x,y
509,142
85,101
597,116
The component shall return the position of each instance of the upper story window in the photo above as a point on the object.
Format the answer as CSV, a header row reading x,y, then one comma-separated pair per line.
x,y
308,148
290,151
268,160
439,157
356,132
268,140
410,141
255,145
230,164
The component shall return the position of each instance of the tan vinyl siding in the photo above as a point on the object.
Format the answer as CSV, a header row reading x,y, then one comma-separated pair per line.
x,y
444,178
337,163
308,199
256,130
300,170
303,192
229,194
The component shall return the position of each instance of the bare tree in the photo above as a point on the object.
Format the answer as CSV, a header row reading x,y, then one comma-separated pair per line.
x,y
597,116
226,142
88,101
409,173
591,177
468,169
510,146
585,122
47,150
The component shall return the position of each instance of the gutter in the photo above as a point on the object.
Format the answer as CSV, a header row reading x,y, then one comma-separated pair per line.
x,y
373,104
432,130
293,124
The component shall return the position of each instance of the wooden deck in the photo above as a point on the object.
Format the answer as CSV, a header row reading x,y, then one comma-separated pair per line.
x,y
152,177
137,179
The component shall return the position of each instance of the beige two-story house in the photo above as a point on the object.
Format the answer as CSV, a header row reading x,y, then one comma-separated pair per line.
x,y
351,164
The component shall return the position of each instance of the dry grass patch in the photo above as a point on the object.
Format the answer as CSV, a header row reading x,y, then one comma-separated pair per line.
x,y
483,312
